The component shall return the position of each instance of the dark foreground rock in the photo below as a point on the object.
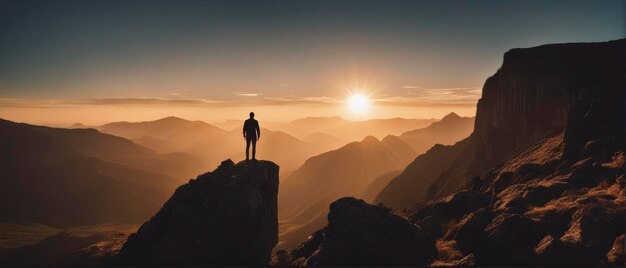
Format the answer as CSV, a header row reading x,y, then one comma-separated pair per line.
x,y
225,217
359,234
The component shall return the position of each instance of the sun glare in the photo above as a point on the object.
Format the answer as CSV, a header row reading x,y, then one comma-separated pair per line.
x,y
358,103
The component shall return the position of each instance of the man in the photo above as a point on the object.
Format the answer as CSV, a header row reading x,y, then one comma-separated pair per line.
x,y
251,133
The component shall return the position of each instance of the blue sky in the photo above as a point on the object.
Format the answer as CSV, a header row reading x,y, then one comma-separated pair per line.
x,y
272,50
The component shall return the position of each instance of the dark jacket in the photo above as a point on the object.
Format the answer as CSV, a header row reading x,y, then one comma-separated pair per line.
x,y
251,129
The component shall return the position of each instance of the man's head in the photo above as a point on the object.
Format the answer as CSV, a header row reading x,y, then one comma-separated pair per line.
x,y
251,114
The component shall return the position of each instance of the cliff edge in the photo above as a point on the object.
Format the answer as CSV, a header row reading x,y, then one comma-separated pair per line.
x,y
224,217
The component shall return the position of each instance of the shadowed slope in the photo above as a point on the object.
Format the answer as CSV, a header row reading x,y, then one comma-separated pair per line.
x,y
80,176
224,217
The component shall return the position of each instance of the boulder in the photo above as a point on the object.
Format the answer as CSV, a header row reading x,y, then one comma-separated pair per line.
x,y
225,217
435,215
509,240
469,231
359,234
615,256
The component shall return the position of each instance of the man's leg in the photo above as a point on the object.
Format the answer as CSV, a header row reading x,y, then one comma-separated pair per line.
x,y
248,149
253,149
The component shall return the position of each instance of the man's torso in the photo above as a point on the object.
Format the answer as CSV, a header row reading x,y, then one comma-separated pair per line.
x,y
250,127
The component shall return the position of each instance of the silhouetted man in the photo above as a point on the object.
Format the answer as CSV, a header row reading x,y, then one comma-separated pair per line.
x,y
251,133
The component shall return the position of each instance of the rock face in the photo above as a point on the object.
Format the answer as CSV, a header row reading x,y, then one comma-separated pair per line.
x,y
359,234
548,149
576,88
225,217
543,90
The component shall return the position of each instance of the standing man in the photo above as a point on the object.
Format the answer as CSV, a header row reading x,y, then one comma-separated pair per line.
x,y
251,133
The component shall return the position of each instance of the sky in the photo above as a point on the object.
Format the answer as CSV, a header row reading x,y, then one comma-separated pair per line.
x,y
100,61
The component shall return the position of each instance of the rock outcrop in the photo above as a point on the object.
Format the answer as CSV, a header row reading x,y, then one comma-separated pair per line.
x,y
359,234
225,217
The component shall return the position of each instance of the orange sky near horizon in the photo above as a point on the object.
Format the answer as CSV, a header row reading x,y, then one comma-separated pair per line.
x,y
434,104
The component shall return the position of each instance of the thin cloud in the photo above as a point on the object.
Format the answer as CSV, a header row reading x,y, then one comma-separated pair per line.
x,y
410,87
462,96
246,94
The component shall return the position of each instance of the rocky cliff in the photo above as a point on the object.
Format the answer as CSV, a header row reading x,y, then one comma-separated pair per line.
x,y
225,217
576,88
541,179
539,91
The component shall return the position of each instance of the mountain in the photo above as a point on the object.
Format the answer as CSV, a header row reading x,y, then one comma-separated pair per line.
x,y
404,190
540,181
78,125
450,129
69,177
210,143
357,130
382,127
347,171
172,131
411,185
227,217
370,193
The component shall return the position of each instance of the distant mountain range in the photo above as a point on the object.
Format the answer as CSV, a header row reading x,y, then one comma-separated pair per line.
x,y
356,169
339,128
65,177
212,144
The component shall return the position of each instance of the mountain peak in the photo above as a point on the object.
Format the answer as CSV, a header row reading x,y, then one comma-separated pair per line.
x,y
370,139
172,119
450,116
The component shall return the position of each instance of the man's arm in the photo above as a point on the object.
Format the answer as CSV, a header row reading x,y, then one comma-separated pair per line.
x,y
258,131
244,130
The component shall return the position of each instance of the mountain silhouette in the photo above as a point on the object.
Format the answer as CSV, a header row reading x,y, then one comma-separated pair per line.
x,y
357,130
539,182
67,177
211,143
340,128
450,129
370,193
225,217
411,185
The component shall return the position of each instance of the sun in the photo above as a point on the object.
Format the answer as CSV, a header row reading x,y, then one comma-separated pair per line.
x,y
358,103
